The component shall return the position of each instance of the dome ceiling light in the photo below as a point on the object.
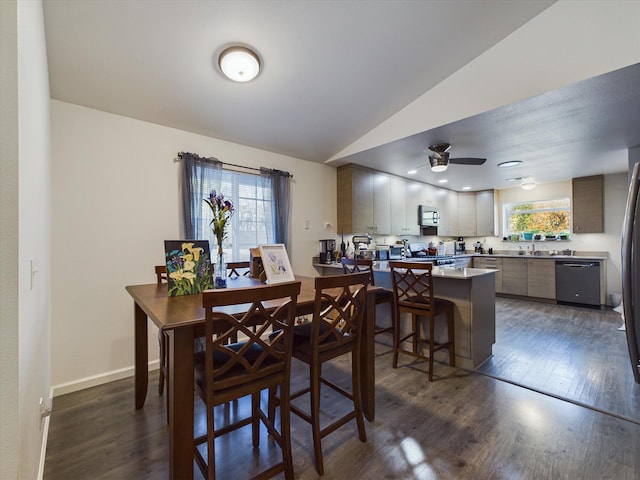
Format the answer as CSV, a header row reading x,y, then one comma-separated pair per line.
x,y
238,63
510,163
528,183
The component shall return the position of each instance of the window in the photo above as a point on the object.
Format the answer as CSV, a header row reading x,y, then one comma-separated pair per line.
x,y
547,218
252,223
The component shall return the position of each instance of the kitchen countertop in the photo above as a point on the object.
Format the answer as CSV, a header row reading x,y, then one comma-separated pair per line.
x,y
556,257
444,272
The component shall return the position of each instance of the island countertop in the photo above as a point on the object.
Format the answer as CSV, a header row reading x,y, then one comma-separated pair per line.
x,y
445,272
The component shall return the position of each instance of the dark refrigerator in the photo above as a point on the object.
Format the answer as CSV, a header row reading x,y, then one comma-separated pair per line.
x,y
631,271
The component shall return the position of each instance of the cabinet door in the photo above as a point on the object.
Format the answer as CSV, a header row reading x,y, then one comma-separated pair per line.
x,y
491,263
398,206
381,204
413,192
485,217
541,274
446,201
514,276
467,214
362,201
588,204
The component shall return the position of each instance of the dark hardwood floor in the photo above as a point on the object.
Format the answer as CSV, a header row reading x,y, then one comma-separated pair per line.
x,y
573,353
464,425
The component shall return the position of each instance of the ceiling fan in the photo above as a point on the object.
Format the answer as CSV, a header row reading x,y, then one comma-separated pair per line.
x,y
439,160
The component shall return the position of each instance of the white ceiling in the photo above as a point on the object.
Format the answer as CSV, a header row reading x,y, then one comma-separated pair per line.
x,y
333,71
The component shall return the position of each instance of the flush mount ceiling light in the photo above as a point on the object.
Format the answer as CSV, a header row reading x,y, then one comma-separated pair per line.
x,y
510,163
529,183
240,64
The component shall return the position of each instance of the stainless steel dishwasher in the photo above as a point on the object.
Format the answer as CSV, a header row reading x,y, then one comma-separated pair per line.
x,y
578,282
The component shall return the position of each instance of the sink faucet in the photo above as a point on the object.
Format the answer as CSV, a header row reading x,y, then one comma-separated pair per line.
x,y
533,245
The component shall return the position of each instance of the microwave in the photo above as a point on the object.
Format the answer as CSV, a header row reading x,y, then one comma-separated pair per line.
x,y
428,216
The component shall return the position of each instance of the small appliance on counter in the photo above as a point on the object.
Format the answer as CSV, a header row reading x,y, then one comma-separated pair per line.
x,y
362,246
327,249
461,246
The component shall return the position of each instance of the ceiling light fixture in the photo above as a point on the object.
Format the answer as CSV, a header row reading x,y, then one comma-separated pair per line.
x,y
439,163
444,180
466,188
240,64
510,163
412,172
529,183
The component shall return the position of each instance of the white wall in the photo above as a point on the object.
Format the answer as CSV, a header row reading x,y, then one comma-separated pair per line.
x,y
115,200
26,195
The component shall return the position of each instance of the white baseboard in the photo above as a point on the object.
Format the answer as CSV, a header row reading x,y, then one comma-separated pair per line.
x,y
100,379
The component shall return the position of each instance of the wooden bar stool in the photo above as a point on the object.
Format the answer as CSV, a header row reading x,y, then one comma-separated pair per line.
x,y
413,294
354,265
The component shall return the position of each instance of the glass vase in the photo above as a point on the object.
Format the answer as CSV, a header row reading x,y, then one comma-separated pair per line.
x,y
220,271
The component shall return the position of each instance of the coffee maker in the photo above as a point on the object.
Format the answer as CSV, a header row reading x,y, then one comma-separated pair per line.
x,y
327,249
460,247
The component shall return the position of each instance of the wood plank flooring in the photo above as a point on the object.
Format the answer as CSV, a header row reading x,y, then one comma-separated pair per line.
x,y
571,352
464,425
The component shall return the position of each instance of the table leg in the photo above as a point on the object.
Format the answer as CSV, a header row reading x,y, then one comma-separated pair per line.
x,y
141,356
367,360
181,403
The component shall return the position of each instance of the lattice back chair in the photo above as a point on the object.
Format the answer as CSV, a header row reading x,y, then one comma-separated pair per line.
x,y
413,294
354,265
227,371
238,269
335,330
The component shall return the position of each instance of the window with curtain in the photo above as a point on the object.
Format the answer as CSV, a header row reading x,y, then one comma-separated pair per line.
x,y
259,208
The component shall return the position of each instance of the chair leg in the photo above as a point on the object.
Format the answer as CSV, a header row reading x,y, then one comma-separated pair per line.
x,y
396,338
432,321
452,350
356,393
162,354
285,431
414,325
314,375
255,422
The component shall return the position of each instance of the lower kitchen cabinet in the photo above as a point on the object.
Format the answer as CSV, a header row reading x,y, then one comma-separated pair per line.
x,y
541,275
491,263
514,276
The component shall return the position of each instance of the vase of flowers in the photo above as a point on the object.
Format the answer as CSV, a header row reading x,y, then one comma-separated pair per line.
x,y
222,210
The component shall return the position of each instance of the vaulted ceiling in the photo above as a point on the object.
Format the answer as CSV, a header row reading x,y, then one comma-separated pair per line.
x,y
333,72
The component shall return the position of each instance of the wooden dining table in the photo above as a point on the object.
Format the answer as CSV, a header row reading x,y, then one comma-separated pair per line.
x,y
183,318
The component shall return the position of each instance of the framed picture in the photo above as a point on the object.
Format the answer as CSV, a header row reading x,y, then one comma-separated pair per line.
x,y
276,263
189,267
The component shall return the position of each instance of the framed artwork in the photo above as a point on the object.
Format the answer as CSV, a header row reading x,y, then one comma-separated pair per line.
x,y
276,263
189,267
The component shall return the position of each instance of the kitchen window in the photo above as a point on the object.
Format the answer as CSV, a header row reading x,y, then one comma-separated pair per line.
x,y
537,220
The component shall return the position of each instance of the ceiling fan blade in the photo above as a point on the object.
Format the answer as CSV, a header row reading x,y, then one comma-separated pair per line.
x,y
467,161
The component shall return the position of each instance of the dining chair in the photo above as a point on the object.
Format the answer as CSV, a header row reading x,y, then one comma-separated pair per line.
x,y
353,265
228,371
335,330
238,269
413,294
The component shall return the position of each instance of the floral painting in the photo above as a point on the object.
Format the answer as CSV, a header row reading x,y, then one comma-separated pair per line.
x,y
188,266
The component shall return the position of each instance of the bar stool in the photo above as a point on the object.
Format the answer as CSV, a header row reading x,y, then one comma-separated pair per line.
x,y
413,294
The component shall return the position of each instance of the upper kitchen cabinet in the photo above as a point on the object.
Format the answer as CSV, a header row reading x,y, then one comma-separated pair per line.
x,y
405,198
364,201
485,214
588,204
446,201
467,217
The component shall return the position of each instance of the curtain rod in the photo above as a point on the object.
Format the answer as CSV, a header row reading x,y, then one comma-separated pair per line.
x,y
179,158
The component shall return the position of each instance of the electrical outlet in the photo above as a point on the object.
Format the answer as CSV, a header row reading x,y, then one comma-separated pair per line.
x,y
307,224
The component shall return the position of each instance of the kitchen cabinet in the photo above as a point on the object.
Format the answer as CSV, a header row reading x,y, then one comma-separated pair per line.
x,y
446,201
405,198
364,201
541,278
485,215
491,263
514,276
467,217
588,204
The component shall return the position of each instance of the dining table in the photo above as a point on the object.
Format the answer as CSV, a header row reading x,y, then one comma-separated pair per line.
x,y
183,318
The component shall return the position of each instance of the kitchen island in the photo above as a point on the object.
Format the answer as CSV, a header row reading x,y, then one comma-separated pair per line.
x,y
472,290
